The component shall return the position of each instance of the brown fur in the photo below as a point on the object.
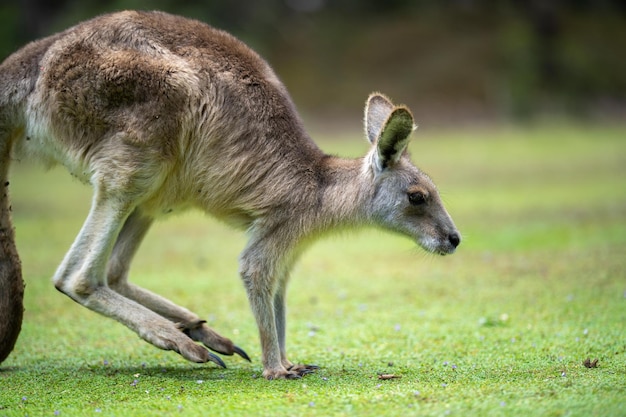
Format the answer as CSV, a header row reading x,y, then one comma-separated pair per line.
x,y
160,113
11,284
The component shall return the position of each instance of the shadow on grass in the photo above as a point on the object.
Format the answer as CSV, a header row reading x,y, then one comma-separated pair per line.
x,y
9,369
167,372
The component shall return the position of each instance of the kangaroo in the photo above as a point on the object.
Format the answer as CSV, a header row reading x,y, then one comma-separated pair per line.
x,y
161,113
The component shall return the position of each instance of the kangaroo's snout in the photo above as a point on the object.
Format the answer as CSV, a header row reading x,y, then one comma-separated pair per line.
x,y
449,244
455,239
444,246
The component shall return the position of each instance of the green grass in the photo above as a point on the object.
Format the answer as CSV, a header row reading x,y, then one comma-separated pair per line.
x,y
500,328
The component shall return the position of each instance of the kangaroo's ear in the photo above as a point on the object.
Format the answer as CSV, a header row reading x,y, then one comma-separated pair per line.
x,y
377,111
394,137
387,127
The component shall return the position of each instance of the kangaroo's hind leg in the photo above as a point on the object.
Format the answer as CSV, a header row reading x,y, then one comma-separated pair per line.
x,y
82,276
129,239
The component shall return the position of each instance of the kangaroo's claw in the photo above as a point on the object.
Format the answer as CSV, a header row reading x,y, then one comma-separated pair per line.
x,y
239,351
216,359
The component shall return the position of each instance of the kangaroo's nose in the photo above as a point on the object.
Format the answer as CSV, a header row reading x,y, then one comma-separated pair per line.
x,y
455,239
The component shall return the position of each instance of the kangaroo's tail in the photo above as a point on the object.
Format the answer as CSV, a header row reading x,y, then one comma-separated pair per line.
x,y
11,283
19,73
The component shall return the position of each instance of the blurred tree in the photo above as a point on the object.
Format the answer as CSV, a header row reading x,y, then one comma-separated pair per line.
x,y
450,59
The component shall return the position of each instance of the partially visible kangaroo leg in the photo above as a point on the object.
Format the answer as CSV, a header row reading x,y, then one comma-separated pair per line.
x,y
263,268
132,234
280,316
82,276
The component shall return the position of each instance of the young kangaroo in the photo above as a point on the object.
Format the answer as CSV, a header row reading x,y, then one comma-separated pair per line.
x,y
160,113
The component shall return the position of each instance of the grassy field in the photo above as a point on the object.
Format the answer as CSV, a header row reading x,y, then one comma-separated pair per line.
x,y
500,328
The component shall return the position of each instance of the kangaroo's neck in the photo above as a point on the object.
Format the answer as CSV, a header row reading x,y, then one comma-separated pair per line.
x,y
343,194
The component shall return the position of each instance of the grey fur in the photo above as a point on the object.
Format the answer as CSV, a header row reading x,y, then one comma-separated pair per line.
x,y
160,113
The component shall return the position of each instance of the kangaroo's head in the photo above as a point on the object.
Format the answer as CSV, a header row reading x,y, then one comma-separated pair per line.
x,y
405,199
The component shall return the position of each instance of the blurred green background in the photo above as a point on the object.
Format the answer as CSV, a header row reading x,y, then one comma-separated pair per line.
x,y
452,62
536,287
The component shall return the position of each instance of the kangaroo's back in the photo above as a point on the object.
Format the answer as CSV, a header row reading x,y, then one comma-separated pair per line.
x,y
170,86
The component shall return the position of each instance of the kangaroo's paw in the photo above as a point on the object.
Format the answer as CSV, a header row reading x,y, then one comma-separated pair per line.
x,y
293,372
200,332
299,368
303,370
182,344
280,373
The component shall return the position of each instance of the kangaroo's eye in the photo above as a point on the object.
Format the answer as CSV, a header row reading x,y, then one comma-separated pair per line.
x,y
417,198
